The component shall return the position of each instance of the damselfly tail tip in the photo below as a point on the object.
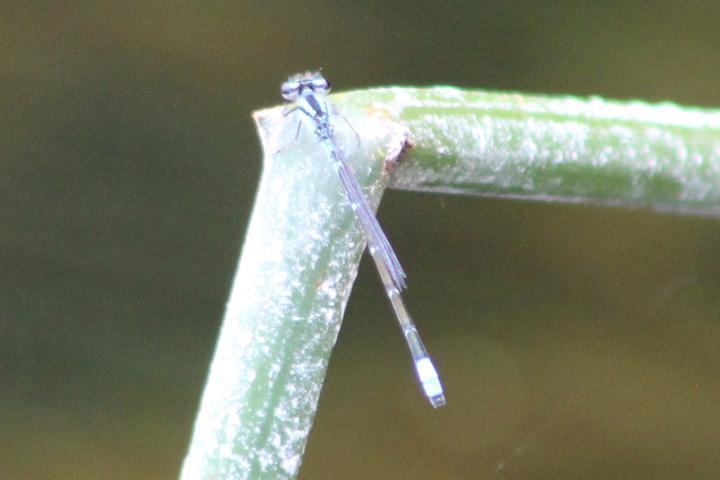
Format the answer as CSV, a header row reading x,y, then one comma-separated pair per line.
x,y
430,382
437,401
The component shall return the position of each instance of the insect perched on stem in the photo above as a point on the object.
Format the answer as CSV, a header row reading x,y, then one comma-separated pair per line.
x,y
307,93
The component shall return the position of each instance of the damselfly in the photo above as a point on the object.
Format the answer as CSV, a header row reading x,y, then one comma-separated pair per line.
x,y
307,91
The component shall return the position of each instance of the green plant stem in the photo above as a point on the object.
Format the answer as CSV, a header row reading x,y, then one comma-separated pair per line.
x,y
564,149
303,244
297,267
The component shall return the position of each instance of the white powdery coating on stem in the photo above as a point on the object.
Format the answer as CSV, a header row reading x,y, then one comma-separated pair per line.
x,y
564,149
298,263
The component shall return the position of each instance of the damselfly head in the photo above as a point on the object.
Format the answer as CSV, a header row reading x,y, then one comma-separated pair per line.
x,y
293,88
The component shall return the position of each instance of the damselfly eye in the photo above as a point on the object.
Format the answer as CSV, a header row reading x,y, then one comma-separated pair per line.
x,y
290,90
320,85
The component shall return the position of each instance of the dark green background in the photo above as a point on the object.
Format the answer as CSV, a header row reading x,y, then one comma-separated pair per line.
x,y
574,341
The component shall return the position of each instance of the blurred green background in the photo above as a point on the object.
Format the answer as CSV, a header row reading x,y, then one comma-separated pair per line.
x,y
574,341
